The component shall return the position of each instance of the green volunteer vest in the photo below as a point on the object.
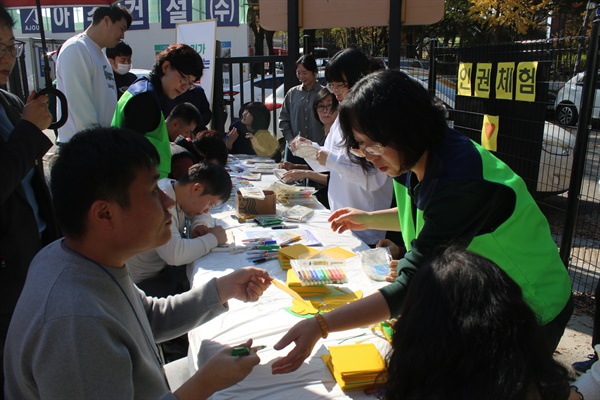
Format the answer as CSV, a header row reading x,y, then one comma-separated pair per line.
x,y
158,137
521,246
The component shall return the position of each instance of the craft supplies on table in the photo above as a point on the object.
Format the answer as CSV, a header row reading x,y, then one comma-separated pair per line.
x,y
356,366
319,272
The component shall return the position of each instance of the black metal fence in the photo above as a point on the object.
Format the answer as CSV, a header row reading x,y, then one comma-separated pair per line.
x,y
533,136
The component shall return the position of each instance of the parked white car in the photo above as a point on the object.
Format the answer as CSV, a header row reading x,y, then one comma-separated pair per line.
x,y
568,101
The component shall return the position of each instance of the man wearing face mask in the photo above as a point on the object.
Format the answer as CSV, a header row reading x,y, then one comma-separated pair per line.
x,y
119,58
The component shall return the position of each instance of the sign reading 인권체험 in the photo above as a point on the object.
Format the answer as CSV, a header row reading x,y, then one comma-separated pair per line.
x,y
226,12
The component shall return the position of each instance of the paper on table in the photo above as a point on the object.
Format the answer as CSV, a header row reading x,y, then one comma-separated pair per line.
x,y
282,286
306,150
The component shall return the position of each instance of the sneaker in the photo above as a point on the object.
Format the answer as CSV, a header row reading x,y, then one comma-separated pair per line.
x,y
583,366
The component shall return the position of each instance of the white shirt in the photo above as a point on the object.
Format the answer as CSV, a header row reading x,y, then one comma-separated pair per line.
x,y
350,185
178,250
86,78
589,383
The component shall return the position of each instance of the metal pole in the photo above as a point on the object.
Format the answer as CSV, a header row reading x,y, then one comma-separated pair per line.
x,y
293,44
433,42
395,24
581,141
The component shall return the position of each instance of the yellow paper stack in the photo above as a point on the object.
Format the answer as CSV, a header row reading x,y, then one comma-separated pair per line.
x,y
296,251
356,367
293,252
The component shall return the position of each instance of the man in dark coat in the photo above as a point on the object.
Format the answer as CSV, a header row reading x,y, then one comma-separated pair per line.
x,y
27,221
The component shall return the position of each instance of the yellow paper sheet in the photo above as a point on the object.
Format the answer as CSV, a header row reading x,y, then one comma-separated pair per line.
x,y
281,286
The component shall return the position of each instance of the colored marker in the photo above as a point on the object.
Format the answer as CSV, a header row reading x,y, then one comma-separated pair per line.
x,y
284,227
240,351
264,259
265,247
290,241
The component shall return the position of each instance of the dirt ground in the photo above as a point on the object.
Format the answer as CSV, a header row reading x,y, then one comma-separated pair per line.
x,y
575,344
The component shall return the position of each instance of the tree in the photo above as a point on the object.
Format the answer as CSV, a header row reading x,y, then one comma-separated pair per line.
x,y
260,34
519,17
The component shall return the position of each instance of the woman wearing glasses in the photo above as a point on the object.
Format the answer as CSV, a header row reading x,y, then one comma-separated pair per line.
x,y
296,117
27,221
139,108
325,109
349,184
449,191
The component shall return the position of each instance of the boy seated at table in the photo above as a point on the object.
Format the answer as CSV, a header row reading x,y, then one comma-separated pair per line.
x,y
81,329
160,272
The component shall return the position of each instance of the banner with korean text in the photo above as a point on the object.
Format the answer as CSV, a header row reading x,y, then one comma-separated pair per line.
x,y
201,35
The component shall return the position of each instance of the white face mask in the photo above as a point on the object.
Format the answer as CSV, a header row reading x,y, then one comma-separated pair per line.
x,y
122,69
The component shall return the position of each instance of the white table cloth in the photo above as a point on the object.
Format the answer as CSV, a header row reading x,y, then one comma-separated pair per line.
x,y
266,320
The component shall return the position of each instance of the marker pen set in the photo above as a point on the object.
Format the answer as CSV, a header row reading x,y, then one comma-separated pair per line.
x,y
312,273
257,256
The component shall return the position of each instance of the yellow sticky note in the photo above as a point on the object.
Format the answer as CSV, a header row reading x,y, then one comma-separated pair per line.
x,y
464,79
483,80
489,132
356,358
526,81
281,286
505,75
337,253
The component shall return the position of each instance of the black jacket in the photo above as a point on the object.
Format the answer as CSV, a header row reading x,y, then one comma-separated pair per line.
x,y
19,238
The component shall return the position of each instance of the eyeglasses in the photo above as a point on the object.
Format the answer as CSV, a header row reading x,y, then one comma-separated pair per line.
x,y
336,88
325,108
375,150
15,50
186,81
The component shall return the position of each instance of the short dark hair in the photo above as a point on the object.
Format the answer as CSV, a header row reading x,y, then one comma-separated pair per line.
x,y
98,163
375,64
5,18
322,95
261,117
213,177
466,332
395,110
121,49
308,62
212,148
186,113
182,57
115,12
348,65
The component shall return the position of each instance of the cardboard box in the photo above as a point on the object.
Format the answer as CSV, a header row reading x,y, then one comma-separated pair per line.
x,y
248,206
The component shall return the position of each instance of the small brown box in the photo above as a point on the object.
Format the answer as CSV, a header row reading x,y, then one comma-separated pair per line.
x,y
249,206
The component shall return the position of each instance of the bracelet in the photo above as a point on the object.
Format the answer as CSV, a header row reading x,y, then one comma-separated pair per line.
x,y
322,325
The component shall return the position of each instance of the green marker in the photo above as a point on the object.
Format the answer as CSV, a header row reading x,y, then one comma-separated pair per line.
x,y
240,351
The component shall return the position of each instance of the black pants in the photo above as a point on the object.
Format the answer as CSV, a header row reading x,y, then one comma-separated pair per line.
x,y
554,329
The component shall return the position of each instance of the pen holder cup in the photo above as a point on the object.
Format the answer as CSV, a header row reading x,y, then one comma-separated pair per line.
x,y
264,206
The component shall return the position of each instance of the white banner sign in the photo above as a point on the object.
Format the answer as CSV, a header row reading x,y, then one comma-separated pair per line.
x,y
201,35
